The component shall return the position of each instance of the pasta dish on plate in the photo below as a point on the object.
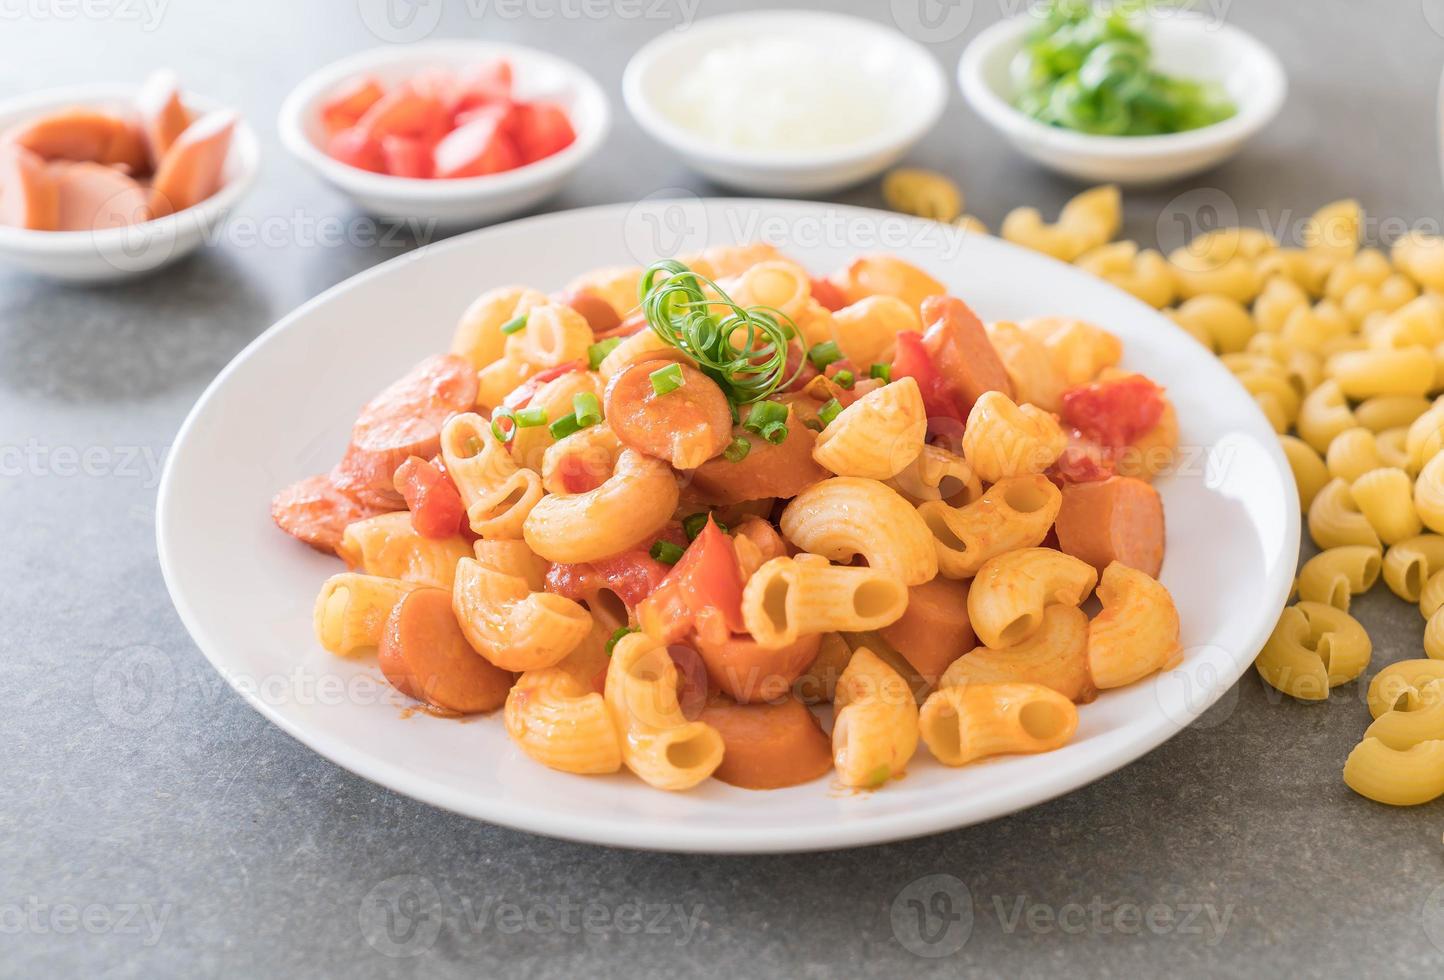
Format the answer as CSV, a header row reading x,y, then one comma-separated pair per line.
x,y
669,518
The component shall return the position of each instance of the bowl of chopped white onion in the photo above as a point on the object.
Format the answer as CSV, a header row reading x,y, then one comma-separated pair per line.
x,y
786,101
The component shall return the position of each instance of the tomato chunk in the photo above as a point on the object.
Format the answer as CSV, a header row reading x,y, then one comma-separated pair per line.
x,y
344,109
1113,413
633,575
1082,461
435,505
706,582
912,361
825,291
477,147
521,396
406,112
484,84
406,156
355,148
542,128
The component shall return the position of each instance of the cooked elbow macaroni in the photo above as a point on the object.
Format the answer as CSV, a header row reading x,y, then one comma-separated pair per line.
x,y
876,436
1004,439
1010,592
790,597
962,724
875,731
658,743
1137,632
839,520
608,587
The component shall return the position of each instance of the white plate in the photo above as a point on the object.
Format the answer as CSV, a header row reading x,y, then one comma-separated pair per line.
x,y
282,410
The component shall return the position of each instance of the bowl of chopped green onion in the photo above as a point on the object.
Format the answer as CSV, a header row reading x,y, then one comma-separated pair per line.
x,y
1128,97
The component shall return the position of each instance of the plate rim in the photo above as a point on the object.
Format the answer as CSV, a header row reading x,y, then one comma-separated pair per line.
x,y
682,837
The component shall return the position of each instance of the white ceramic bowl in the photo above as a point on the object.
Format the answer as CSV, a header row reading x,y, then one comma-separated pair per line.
x,y
1184,45
466,201
901,65
112,254
271,418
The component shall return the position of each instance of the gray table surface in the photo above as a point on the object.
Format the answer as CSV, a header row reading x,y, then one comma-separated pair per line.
x,y
152,824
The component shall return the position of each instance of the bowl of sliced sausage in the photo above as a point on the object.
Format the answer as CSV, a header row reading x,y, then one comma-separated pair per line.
x,y
105,182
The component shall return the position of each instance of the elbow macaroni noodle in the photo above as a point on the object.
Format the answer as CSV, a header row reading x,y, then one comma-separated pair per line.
x,y
876,436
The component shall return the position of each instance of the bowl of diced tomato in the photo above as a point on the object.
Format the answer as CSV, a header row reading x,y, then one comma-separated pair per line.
x,y
453,132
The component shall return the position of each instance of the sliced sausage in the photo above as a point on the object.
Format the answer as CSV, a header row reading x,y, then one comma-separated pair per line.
x,y
191,169
769,746
425,656
1118,519
934,630
129,150
29,197
82,134
960,349
686,426
745,671
316,511
783,470
406,420
93,196
163,116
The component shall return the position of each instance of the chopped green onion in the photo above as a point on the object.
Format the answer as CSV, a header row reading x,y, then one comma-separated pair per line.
x,y
666,552
529,417
883,372
587,409
814,425
514,325
737,450
845,378
1092,70
743,349
830,411
597,353
504,434
694,523
774,432
668,379
565,426
824,354
764,414
617,637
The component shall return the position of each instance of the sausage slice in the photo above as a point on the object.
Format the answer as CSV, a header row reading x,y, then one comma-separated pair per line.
x,y
425,656
686,426
191,169
315,510
960,349
1118,519
29,197
768,746
406,420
